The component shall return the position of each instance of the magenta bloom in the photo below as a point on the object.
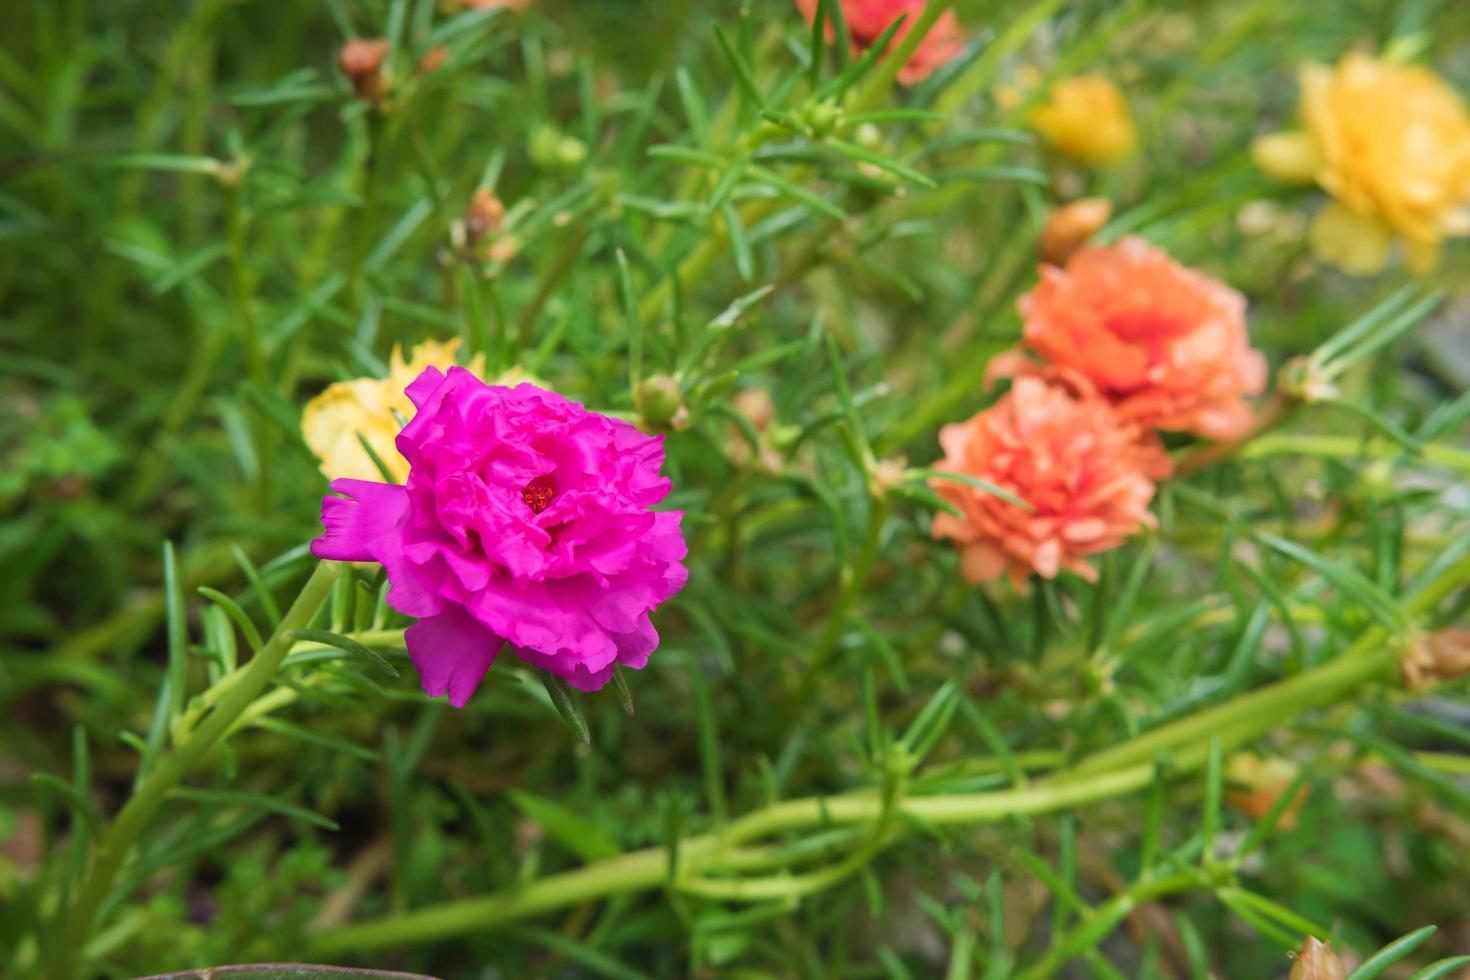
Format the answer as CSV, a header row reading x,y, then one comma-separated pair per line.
x,y
526,522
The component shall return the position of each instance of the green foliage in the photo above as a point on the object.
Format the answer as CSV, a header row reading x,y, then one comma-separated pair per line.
x,y
844,761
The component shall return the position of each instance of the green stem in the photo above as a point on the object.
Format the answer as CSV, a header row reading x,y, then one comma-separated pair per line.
x,y
565,259
854,579
1103,919
200,705
1349,447
75,922
241,282
1124,769
648,868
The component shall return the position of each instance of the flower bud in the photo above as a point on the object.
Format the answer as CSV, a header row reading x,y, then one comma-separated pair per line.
x,y
868,136
1302,379
888,474
484,216
361,61
1441,656
822,117
432,60
1069,227
1316,961
756,406
660,402
1256,784
549,148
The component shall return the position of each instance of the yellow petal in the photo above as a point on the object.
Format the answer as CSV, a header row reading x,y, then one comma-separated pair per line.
x,y
1289,156
1354,243
331,422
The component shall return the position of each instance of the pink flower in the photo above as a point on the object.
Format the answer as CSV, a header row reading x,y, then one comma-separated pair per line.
x,y
1081,470
867,20
526,521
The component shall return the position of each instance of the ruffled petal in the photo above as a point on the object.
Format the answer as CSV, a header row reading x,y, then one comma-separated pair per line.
x,y
359,520
452,652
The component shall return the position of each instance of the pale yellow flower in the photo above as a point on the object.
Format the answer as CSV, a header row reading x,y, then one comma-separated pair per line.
x,y
374,408
1087,120
1391,144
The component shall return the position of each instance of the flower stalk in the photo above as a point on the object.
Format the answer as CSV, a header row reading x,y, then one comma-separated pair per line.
x,y
1112,773
73,923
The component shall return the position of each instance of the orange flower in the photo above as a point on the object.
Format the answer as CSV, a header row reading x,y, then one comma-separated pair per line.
x,y
1166,345
1077,465
867,20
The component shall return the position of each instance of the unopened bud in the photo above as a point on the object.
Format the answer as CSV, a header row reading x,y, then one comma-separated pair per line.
x,y
432,60
822,117
1256,784
1302,379
888,474
570,151
361,61
484,216
756,407
660,401
1441,656
1069,227
503,249
1316,961
549,148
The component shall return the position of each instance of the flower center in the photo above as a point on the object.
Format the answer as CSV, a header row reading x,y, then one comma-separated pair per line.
x,y
538,494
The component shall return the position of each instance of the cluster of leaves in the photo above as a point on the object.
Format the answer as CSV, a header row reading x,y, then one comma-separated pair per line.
x,y
202,226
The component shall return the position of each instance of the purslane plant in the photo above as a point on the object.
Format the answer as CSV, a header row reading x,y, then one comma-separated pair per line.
x,y
789,286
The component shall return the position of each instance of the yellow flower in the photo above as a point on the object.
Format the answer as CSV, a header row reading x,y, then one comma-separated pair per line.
x,y
1087,120
372,408
1391,144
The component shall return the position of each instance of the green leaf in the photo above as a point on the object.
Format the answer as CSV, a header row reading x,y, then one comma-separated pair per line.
x,y
795,191
254,801
178,632
257,583
1386,957
1441,968
635,323
1346,579
742,72
864,155
565,703
839,85
582,836
1214,790
925,475
739,244
620,684
304,734
347,644
84,814
170,162
378,463
236,614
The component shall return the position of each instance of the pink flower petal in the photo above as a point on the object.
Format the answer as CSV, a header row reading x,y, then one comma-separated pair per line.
x,y
452,651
